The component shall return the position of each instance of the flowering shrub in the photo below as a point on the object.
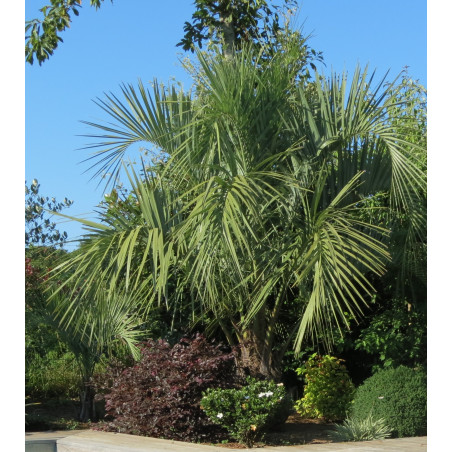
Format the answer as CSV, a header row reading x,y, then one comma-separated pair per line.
x,y
248,412
328,392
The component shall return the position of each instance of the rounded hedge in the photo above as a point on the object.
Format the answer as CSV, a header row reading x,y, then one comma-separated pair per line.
x,y
399,396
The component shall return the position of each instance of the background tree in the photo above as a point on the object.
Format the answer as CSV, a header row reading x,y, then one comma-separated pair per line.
x,y
39,229
230,23
44,34
222,22
43,249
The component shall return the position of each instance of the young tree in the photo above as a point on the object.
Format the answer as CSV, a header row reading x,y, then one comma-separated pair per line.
x,y
92,330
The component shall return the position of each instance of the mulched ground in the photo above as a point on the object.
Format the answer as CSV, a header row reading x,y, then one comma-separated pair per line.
x,y
52,415
296,431
301,431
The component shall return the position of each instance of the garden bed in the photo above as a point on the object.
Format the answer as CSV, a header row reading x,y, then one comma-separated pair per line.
x,y
295,431
53,414
62,415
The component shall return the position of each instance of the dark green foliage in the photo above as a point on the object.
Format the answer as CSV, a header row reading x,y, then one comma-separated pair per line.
x,y
50,371
328,392
397,336
160,395
53,375
249,412
213,19
399,396
51,414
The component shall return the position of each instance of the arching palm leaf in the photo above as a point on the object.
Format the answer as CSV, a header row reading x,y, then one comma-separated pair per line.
x,y
260,200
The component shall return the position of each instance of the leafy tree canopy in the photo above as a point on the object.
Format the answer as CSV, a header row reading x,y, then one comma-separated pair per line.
x,y
44,33
230,22
39,229
226,22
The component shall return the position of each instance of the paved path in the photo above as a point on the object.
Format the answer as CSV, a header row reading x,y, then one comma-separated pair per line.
x,y
92,441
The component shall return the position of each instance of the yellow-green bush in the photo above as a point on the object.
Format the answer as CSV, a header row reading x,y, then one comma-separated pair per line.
x,y
329,390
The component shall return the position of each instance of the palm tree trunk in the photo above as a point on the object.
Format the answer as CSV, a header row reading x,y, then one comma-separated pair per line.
x,y
87,404
256,355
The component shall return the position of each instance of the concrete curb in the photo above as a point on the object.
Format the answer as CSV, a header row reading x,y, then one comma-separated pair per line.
x,y
91,441
94,441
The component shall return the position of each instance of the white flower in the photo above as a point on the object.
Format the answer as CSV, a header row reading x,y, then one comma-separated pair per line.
x,y
266,394
219,415
381,397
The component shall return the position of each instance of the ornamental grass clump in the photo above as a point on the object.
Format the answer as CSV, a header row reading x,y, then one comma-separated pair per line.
x,y
328,392
249,412
354,429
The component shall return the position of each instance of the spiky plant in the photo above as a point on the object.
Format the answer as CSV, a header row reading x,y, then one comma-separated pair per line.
x,y
355,429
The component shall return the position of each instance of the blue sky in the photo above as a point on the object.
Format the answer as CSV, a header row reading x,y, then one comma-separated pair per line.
x,y
136,39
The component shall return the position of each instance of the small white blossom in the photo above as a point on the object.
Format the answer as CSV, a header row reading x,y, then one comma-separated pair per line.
x,y
219,415
265,394
381,397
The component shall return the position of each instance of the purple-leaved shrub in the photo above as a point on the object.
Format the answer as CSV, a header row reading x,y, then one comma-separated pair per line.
x,y
160,395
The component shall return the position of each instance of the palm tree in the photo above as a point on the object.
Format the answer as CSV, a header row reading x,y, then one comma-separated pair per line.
x,y
256,216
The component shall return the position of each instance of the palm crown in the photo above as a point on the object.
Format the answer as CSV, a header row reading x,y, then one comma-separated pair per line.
x,y
257,217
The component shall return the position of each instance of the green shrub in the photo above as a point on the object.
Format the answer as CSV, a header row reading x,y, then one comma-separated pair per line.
x,y
249,412
329,390
354,429
397,337
53,375
399,396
